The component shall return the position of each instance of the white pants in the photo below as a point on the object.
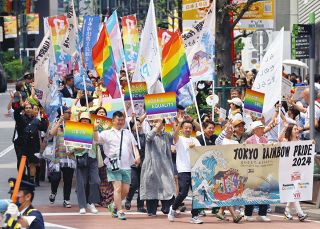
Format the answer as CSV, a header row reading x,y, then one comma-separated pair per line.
x,y
296,206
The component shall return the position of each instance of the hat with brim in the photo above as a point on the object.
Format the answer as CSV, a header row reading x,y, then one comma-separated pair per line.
x,y
235,101
257,124
24,185
237,122
85,115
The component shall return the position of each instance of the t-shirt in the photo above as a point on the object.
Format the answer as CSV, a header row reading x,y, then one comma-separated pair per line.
x,y
183,155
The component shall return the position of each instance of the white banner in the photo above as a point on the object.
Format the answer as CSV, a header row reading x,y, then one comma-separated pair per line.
x,y
296,172
148,66
200,47
269,78
69,44
41,68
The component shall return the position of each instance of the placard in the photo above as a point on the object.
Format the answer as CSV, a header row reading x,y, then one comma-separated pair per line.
x,y
253,102
286,87
138,91
78,135
105,123
162,105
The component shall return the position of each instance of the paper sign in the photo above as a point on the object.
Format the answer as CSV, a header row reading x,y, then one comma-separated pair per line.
x,y
67,102
160,105
298,92
223,113
33,23
10,26
138,108
78,134
253,102
286,88
105,123
138,91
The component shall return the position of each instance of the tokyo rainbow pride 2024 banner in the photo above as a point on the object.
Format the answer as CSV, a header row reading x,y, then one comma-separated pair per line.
x,y
162,105
253,102
138,91
245,174
78,134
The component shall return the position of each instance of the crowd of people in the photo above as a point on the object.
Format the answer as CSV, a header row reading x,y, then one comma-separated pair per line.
x,y
159,171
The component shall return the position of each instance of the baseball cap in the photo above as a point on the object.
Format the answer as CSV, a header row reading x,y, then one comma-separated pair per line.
x,y
256,124
235,101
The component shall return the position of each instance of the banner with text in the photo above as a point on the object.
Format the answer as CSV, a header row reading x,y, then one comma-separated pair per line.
x,y
159,106
235,175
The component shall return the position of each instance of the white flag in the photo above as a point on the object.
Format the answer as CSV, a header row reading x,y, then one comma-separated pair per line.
x,y
148,67
69,44
269,77
41,69
200,46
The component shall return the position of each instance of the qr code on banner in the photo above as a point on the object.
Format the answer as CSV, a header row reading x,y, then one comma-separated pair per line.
x,y
268,7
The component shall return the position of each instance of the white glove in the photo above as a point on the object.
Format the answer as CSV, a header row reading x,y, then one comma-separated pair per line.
x,y
13,210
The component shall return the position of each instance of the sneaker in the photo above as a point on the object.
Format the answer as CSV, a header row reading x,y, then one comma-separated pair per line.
x,y
82,211
263,218
142,210
122,216
202,213
269,210
249,218
151,215
52,198
302,217
92,208
171,214
113,210
237,219
196,220
66,204
242,212
287,215
127,205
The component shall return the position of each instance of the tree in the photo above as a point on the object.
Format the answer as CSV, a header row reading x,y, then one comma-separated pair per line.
x,y
223,35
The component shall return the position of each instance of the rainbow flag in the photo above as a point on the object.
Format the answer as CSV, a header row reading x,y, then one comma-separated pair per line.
x,y
130,40
175,69
104,63
253,101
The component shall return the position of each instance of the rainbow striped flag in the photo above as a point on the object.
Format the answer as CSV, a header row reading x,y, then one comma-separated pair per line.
x,y
104,63
175,69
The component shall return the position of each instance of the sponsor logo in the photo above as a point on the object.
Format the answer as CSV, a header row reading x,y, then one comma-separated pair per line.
x,y
303,185
287,186
297,195
295,176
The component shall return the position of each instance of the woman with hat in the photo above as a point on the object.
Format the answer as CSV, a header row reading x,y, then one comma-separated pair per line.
x,y
87,172
63,161
235,112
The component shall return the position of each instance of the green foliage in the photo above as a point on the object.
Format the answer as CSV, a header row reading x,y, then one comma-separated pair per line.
x,y
13,67
238,46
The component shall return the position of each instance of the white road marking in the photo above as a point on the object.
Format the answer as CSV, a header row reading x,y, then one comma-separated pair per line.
x,y
57,226
7,124
7,150
308,220
8,166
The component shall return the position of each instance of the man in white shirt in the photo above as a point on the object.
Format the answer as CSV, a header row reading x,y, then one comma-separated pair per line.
x,y
120,148
183,144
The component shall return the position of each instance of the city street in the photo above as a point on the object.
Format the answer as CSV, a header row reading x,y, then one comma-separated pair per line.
x,y
58,217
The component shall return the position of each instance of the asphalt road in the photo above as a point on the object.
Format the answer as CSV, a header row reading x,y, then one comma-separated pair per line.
x,y
58,217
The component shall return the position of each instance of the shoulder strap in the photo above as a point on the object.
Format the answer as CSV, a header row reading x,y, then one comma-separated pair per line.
x,y
14,133
121,144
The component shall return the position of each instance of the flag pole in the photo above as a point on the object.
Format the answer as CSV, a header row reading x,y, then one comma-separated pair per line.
x,y
198,113
131,100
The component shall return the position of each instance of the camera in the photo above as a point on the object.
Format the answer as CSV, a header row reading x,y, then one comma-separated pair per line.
x,y
114,162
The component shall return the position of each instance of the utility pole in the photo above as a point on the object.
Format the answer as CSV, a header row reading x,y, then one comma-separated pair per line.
x,y
312,20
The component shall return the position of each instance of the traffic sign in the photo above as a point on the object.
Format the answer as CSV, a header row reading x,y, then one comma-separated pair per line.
x,y
300,44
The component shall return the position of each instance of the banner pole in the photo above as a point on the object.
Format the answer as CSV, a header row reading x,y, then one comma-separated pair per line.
x,y
131,100
198,113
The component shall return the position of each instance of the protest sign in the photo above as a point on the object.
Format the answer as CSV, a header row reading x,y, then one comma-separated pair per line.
x,y
138,107
253,102
296,172
235,175
111,105
105,123
298,92
160,105
223,113
138,91
79,135
286,87
67,102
